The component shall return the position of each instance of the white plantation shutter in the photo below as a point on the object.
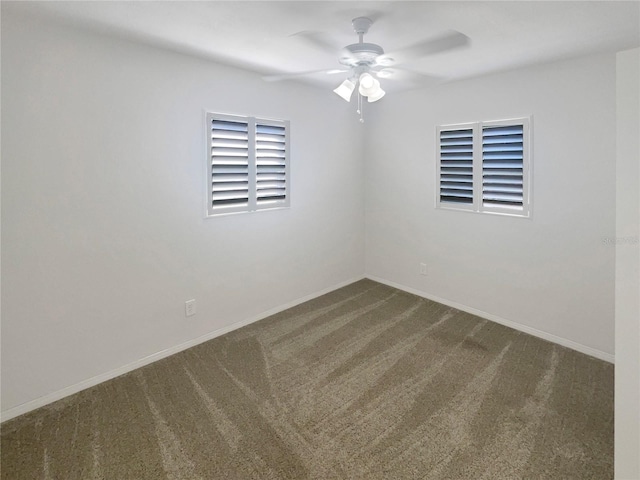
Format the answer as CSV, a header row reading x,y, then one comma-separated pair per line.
x,y
485,167
271,162
229,163
456,166
502,165
248,163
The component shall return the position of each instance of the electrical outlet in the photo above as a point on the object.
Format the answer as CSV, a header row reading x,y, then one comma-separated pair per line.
x,y
189,308
423,269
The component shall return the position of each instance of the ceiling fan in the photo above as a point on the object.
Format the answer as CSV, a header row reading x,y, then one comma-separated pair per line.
x,y
365,63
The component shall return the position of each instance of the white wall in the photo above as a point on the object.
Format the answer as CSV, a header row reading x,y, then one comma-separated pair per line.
x,y
552,274
627,244
103,200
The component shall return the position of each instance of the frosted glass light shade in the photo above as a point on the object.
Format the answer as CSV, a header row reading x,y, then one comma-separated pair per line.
x,y
345,89
370,87
366,81
376,96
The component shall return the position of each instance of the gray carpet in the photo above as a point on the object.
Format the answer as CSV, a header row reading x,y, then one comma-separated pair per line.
x,y
366,382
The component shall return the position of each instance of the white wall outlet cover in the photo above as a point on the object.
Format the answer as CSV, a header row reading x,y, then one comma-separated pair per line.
x,y
190,307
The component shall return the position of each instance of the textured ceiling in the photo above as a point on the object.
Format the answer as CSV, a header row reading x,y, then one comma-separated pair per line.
x,y
265,36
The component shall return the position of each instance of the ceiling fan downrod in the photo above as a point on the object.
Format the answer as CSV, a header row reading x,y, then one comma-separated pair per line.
x,y
361,26
361,53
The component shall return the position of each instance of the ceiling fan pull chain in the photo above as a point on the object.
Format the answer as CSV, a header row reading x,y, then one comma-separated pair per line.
x,y
360,108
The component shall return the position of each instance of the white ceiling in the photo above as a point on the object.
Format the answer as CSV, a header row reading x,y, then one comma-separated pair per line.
x,y
261,36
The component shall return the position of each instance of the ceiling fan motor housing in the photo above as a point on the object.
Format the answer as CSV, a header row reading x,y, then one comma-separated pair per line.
x,y
361,54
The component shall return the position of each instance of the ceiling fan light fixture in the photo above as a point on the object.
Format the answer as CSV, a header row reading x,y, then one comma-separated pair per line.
x,y
345,89
376,96
369,85
366,81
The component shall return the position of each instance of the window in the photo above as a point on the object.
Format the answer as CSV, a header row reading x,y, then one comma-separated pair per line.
x,y
248,164
485,167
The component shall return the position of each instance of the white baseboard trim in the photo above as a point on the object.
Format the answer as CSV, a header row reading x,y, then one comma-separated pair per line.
x,y
503,321
65,392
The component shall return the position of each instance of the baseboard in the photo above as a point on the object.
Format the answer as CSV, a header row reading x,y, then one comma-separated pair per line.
x,y
65,392
503,321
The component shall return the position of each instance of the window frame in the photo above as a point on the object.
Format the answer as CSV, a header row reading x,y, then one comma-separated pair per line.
x,y
252,204
477,205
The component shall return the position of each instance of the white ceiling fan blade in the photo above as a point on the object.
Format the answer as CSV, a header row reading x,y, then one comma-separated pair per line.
x,y
318,39
447,41
346,57
288,76
408,77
